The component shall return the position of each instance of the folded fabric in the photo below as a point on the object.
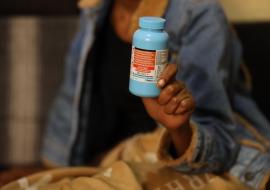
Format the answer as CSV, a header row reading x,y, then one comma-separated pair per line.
x,y
132,165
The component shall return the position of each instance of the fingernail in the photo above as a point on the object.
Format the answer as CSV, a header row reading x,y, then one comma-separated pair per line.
x,y
161,83
184,102
175,100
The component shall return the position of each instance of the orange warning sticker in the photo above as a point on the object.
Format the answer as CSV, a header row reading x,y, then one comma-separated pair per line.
x,y
146,65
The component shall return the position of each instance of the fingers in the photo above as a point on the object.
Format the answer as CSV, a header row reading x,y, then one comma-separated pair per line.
x,y
170,91
174,98
186,106
180,103
168,74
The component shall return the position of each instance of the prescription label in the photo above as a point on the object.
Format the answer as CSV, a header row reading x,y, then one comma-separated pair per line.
x,y
147,65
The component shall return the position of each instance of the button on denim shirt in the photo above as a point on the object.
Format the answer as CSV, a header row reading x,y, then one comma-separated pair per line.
x,y
231,133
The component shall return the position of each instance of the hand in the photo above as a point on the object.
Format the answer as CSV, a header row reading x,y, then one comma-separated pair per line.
x,y
175,103
173,108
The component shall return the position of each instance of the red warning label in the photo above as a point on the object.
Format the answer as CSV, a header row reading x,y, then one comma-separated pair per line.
x,y
146,65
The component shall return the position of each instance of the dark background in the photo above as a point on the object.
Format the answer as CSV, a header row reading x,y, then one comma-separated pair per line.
x,y
38,7
254,37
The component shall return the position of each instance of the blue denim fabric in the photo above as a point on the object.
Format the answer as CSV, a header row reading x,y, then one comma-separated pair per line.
x,y
209,56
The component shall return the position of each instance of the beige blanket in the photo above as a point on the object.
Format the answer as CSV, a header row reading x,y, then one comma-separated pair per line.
x,y
132,165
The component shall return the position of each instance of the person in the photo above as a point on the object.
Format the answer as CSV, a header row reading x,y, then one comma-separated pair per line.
x,y
226,132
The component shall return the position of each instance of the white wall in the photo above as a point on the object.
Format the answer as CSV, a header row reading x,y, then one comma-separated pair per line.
x,y
247,10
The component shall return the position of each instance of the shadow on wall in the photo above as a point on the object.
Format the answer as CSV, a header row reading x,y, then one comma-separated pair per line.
x,y
4,93
32,51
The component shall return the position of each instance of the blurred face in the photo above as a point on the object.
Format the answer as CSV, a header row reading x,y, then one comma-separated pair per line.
x,y
128,1
128,4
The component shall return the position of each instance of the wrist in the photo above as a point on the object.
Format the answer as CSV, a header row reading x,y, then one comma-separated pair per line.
x,y
181,138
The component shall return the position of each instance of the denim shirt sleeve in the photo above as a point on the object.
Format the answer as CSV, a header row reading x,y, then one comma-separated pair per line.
x,y
208,60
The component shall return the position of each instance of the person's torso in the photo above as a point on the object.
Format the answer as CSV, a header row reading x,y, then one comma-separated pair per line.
x,y
177,13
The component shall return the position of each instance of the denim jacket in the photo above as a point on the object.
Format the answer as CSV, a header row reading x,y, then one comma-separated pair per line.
x,y
229,131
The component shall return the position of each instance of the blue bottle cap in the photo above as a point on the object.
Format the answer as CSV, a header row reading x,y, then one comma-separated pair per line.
x,y
152,22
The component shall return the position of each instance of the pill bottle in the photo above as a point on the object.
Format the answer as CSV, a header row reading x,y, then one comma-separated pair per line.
x,y
149,56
